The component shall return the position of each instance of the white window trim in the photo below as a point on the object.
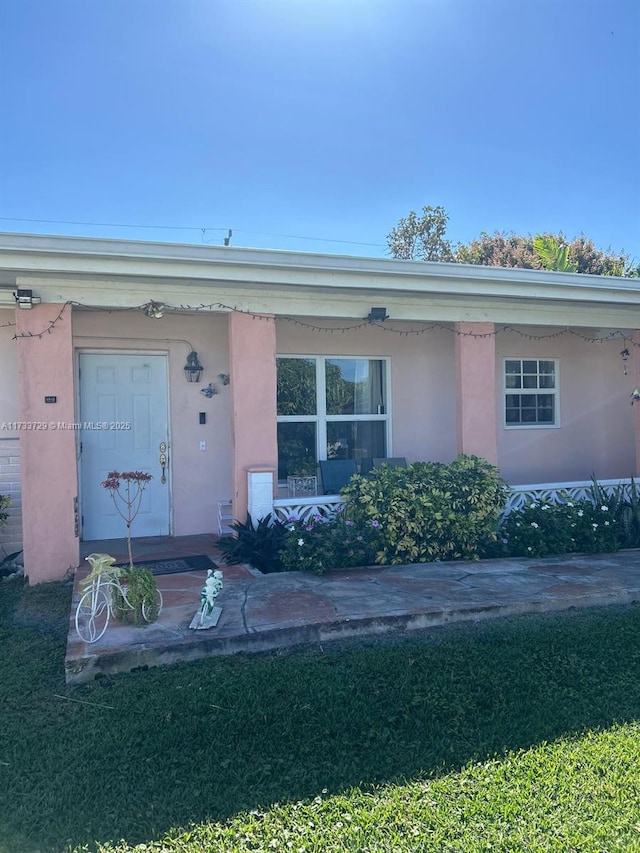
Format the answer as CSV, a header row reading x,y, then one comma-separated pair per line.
x,y
555,391
321,418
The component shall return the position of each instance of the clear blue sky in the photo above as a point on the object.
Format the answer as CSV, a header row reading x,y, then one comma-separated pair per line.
x,y
321,118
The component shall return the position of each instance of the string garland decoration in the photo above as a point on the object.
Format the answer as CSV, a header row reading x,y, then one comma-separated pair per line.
x,y
614,335
47,330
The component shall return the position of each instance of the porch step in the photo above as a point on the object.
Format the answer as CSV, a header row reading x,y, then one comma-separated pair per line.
x,y
225,517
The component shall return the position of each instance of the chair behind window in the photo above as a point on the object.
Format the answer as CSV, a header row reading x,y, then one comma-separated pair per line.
x,y
336,473
366,464
392,461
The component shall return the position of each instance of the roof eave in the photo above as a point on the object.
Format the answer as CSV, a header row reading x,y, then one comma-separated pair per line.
x,y
38,255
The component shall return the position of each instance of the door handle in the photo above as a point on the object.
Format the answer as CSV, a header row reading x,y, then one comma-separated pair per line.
x,y
163,461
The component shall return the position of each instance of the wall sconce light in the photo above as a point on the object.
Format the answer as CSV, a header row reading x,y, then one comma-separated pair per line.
x,y
154,309
193,369
377,315
224,378
26,299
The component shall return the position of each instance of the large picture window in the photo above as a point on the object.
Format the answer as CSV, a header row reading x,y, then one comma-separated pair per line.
x,y
330,408
531,386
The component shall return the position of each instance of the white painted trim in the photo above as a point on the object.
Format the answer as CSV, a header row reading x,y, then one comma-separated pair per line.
x,y
37,254
571,484
336,306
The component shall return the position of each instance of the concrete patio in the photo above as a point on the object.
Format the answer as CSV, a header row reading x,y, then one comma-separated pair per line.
x,y
280,611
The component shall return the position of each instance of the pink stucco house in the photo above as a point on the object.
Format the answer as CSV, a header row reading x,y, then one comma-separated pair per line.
x,y
532,370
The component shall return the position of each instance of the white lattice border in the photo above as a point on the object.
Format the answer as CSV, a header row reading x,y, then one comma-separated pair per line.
x,y
561,492
285,509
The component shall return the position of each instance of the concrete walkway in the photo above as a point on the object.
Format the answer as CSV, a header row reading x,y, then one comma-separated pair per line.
x,y
277,611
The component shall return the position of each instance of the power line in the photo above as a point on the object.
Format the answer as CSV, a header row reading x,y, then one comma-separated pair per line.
x,y
202,229
302,237
107,224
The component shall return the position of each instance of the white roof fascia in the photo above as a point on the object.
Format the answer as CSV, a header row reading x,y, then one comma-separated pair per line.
x,y
90,257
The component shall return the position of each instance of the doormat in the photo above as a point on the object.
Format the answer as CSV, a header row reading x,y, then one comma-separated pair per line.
x,y
198,563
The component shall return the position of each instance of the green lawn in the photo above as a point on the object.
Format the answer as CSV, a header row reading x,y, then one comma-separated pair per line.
x,y
513,735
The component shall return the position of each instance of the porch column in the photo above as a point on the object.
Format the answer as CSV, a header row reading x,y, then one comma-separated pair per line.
x,y
476,390
47,450
252,365
635,379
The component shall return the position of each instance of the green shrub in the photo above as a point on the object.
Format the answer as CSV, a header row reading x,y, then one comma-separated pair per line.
x,y
141,590
258,545
429,510
625,504
542,528
6,560
320,544
5,501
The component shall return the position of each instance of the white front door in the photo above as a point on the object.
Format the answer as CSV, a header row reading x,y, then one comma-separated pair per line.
x,y
124,423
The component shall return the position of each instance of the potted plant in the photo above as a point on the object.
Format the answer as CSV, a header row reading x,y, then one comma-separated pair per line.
x,y
303,481
306,467
126,489
142,597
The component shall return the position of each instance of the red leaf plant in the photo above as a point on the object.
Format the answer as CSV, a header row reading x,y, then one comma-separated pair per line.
x,y
126,489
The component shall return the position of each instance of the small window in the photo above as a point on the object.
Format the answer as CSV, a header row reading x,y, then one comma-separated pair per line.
x,y
531,392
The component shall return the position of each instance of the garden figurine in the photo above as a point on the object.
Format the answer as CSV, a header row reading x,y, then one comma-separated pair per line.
x,y
210,590
208,615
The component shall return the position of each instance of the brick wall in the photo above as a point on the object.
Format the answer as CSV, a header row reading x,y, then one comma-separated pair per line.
x,y
11,534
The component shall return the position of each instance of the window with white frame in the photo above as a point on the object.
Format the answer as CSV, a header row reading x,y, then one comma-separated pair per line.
x,y
330,407
530,395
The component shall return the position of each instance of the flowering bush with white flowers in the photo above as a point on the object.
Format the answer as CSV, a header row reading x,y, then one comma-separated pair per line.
x,y
542,528
431,511
320,544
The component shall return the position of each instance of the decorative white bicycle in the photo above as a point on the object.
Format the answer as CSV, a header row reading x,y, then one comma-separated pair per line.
x,y
105,594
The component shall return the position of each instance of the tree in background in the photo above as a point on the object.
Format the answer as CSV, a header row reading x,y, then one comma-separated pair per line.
x,y
553,254
589,259
424,239
499,250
